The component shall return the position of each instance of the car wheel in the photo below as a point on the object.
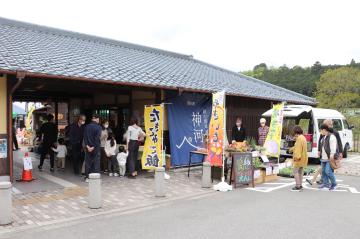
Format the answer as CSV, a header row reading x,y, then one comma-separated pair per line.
x,y
345,152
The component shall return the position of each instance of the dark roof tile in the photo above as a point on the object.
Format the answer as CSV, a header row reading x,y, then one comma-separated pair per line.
x,y
39,49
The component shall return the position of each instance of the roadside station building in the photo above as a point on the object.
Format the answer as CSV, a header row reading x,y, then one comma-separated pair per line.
x,y
87,73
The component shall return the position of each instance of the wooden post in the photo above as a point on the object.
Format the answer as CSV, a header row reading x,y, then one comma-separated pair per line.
x,y
57,114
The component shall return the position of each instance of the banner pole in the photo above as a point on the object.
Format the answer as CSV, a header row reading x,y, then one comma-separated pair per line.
x,y
223,186
223,146
162,135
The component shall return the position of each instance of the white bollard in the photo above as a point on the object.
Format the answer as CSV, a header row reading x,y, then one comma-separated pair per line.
x,y
206,175
5,203
94,198
160,182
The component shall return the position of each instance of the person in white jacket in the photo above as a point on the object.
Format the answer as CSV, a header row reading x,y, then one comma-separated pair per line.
x,y
329,151
110,151
61,154
121,159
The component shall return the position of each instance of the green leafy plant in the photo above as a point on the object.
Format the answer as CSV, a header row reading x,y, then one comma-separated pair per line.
x,y
252,142
288,172
257,163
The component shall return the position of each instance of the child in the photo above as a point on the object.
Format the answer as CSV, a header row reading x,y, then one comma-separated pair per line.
x,y
121,158
110,148
61,154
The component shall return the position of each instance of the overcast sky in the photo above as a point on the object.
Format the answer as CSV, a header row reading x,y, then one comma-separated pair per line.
x,y
233,34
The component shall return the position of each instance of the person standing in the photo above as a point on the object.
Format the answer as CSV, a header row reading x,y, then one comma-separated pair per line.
x,y
133,134
76,135
121,158
103,138
329,123
238,133
15,142
92,133
61,151
49,133
300,157
318,171
263,130
328,152
110,150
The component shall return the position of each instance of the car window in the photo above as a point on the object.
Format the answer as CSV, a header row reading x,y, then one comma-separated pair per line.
x,y
320,122
288,125
305,125
337,124
346,125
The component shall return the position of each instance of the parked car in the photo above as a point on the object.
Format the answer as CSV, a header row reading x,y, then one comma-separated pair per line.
x,y
310,119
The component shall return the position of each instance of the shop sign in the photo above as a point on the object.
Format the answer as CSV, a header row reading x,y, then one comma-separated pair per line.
x,y
153,154
188,119
216,129
3,148
273,139
243,168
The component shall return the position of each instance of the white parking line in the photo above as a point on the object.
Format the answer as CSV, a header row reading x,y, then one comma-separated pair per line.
x,y
339,188
270,189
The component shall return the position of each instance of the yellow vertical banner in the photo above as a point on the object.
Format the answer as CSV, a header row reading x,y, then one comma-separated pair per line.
x,y
216,129
29,118
152,156
273,139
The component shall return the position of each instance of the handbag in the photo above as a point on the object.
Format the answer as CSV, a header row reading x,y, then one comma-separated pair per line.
x,y
335,163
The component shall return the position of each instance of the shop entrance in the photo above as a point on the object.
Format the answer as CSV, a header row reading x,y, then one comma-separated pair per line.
x,y
113,102
118,117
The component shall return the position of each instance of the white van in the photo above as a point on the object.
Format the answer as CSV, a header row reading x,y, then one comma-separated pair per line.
x,y
310,119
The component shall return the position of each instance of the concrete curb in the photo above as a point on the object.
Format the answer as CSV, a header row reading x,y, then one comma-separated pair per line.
x,y
6,233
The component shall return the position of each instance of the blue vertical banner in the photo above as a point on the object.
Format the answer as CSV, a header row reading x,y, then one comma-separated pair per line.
x,y
188,121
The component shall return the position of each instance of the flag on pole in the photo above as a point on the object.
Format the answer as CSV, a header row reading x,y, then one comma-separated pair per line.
x,y
216,129
153,155
273,139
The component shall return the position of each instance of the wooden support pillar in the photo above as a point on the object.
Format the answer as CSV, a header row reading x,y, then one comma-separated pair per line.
x,y
158,96
131,103
5,127
56,113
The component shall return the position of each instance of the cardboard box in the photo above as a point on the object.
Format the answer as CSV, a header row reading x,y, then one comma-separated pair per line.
x,y
275,169
256,173
268,171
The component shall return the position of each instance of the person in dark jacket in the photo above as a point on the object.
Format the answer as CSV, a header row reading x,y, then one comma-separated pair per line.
x,y
49,133
329,124
76,135
92,133
15,142
238,133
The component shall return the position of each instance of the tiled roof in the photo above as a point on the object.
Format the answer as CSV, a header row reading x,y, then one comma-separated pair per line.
x,y
38,49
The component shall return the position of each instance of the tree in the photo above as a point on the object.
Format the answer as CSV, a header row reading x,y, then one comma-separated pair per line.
x,y
339,88
261,65
352,62
300,79
317,68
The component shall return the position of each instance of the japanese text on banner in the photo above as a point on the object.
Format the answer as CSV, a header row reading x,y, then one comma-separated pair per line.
x,y
216,130
273,139
152,156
